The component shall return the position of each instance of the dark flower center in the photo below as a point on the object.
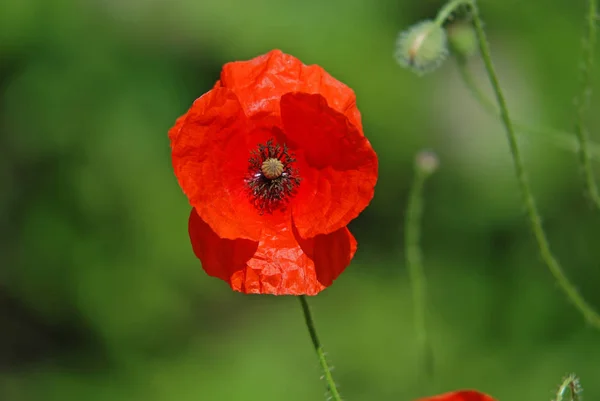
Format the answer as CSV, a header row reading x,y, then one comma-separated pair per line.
x,y
272,180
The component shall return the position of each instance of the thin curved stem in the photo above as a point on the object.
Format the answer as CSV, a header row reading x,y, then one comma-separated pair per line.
x,y
582,103
448,9
310,325
562,139
414,262
534,217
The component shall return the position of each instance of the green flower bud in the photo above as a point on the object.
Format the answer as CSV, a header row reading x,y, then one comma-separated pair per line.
x,y
463,41
422,48
427,161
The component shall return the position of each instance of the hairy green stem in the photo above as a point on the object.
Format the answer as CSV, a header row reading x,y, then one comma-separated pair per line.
x,y
532,212
534,217
564,140
414,262
332,388
582,103
448,9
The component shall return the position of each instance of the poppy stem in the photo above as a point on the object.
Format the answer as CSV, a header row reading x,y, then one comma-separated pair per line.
x,y
583,101
446,12
319,348
561,139
426,164
534,216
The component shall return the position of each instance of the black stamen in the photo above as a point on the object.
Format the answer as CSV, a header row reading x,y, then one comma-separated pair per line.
x,y
269,195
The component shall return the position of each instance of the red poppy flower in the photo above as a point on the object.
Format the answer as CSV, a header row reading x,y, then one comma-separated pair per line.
x,y
460,395
275,164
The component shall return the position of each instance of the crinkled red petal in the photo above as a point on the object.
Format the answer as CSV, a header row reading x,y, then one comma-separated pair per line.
x,y
261,82
174,131
210,150
281,263
339,166
460,395
220,257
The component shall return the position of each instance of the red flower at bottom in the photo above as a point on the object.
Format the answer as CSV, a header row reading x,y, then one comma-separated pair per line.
x,y
460,395
275,164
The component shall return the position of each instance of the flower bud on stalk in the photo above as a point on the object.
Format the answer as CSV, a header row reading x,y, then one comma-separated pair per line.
x,y
422,48
462,39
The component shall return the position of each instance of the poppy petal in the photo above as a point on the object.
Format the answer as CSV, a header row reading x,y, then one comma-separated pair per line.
x,y
339,169
261,82
210,154
221,258
460,395
278,264
331,253
174,131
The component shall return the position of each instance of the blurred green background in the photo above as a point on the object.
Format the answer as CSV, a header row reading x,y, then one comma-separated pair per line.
x,y
101,297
